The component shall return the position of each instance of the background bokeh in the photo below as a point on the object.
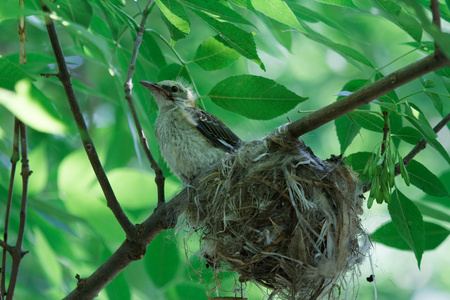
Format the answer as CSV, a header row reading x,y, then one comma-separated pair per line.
x,y
70,230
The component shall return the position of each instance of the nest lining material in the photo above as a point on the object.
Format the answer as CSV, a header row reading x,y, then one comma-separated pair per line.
x,y
281,217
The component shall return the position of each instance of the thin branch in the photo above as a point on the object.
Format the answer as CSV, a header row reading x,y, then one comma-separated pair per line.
x,y
64,77
17,253
367,93
159,178
8,248
14,160
421,144
385,133
434,6
163,218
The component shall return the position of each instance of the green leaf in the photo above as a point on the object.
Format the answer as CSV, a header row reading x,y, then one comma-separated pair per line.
x,y
218,9
26,105
347,3
176,19
368,120
150,50
308,15
94,45
254,97
348,53
433,211
215,54
10,74
346,130
401,18
358,162
9,9
121,16
280,31
389,236
277,10
172,71
162,259
415,116
47,258
409,135
118,289
427,83
404,173
39,165
409,222
240,40
77,11
422,178
437,102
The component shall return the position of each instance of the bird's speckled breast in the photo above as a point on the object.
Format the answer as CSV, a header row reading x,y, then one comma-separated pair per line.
x,y
185,150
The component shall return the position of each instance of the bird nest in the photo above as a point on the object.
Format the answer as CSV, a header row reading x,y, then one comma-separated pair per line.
x,y
281,217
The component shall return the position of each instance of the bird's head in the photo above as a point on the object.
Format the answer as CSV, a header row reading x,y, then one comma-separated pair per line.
x,y
170,93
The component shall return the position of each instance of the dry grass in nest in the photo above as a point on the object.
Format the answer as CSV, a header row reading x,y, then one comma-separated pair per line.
x,y
281,217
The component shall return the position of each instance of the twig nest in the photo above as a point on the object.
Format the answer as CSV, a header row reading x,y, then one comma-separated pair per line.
x,y
281,217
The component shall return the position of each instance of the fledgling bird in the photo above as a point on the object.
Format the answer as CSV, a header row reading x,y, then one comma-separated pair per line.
x,y
189,138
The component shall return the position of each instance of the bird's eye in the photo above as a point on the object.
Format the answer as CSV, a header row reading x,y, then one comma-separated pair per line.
x,y
174,88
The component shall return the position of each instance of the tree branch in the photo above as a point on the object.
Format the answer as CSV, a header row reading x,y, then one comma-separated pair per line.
x,y
64,76
163,218
17,253
367,93
159,178
421,145
6,247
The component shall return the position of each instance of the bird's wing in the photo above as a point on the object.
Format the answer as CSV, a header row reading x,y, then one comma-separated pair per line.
x,y
214,130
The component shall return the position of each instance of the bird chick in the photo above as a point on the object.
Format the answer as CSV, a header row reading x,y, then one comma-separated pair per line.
x,y
190,139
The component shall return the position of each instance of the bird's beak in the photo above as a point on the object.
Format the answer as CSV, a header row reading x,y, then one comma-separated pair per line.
x,y
154,88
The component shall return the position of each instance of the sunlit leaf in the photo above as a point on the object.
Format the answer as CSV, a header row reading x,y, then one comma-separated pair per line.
x,y
254,97
29,109
175,17
277,10
214,54
409,223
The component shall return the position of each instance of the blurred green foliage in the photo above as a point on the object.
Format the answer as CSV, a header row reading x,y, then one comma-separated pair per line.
x,y
256,64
